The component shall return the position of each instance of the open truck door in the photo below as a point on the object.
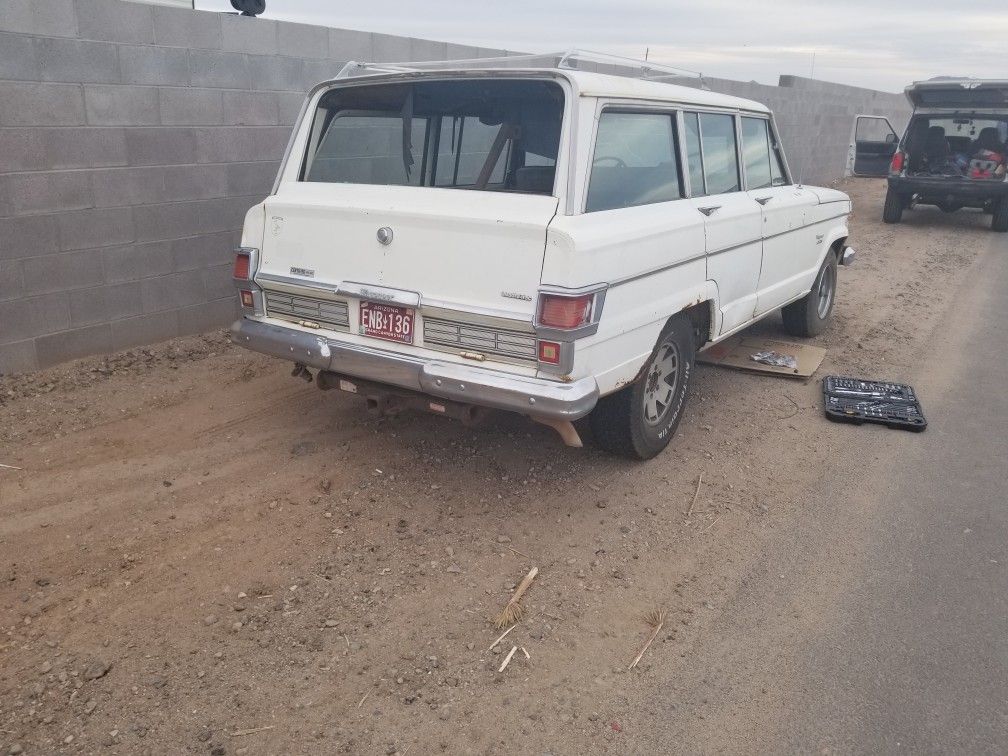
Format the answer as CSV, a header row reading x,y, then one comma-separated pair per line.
x,y
872,145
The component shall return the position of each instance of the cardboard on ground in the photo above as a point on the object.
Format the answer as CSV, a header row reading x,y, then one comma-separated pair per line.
x,y
736,353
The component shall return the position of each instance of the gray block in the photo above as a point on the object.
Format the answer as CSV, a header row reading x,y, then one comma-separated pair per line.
x,y
18,58
70,270
168,221
240,144
317,71
347,44
147,64
115,21
245,179
187,28
208,316
192,182
249,35
172,291
289,106
34,316
83,147
121,105
28,236
203,251
11,281
391,49
162,146
31,104
33,193
144,330
123,187
75,60
52,18
98,227
218,282
213,217
22,150
71,345
302,40
250,108
210,68
185,106
276,73
427,49
135,261
234,210
18,357
101,304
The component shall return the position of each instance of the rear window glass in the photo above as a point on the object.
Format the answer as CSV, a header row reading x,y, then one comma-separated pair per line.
x,y
497,135
756,153
634,161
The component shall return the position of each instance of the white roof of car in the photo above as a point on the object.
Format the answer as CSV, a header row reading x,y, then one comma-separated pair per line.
x,y
605,85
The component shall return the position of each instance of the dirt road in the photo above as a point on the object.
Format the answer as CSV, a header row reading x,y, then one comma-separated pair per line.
x,y
202,554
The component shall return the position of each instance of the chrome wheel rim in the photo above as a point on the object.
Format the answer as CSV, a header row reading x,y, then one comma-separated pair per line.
x,y
827,286
660,383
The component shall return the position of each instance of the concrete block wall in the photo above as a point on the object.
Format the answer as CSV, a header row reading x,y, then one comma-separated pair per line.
x,y
133,138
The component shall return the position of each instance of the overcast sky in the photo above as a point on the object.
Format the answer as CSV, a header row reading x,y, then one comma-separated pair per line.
x,y
871,43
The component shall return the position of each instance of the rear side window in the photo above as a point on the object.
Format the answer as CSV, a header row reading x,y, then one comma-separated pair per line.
x,y
635,161
720,159
756,153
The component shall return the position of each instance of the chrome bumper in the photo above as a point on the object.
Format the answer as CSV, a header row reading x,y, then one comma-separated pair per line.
x,y
460,383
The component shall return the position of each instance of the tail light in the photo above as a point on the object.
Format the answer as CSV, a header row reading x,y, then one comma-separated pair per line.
x,y
898,159
558,311
247,299
549,352
242,265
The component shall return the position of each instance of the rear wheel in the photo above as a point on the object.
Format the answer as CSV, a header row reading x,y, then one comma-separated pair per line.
x,y
892,212
999,220
810,314
640,420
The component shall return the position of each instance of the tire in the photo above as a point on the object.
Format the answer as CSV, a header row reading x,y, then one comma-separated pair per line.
x,y
892,212
810,314
635,422
999,219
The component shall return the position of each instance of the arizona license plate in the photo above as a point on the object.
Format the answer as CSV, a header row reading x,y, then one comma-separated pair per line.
x,y
385,321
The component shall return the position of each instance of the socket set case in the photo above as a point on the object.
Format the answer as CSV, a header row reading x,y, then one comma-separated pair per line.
x,y
853,400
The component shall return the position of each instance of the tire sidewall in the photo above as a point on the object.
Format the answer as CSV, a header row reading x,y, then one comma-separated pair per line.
x,y
815,322
651,439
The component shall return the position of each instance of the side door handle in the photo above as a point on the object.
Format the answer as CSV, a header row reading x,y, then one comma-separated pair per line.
x,y
708,211
763,200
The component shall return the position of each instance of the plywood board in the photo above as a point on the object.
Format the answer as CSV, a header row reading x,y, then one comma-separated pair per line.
x,y
736,353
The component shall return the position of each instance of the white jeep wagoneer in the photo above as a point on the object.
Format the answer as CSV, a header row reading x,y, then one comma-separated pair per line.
x,y
543,240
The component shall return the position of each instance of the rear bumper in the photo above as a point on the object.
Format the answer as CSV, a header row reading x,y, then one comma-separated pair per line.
x,y
942,189
479,386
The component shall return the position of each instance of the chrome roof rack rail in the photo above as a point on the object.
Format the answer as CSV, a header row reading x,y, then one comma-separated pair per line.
x,y
573,59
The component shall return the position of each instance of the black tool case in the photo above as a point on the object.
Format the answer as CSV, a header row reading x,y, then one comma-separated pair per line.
x,y
853,400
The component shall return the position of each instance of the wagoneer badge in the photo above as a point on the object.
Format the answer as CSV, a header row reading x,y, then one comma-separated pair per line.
x,y
516,295
385,235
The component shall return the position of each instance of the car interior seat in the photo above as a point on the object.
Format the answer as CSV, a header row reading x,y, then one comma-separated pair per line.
x,y
936,147
987,139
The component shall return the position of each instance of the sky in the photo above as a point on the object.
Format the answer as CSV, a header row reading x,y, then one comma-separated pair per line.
x,y
868,43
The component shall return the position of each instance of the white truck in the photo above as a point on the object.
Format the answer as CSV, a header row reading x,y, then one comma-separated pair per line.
x,y
531,238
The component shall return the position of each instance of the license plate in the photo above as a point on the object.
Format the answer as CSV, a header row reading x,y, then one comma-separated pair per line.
x,y
385,321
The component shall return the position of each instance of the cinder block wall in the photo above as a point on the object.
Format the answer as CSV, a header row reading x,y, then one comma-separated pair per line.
x,y
134,137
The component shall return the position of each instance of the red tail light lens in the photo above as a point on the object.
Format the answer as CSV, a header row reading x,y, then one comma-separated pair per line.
x,y
565,312
897,162
242,265
247,299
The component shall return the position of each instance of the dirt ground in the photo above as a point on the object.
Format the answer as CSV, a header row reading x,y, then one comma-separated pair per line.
x,y
202,554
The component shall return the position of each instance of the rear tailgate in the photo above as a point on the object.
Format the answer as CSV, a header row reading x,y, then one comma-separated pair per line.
x,y
958,94
457,249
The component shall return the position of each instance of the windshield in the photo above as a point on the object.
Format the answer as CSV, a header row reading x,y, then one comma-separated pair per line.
x,y
497,135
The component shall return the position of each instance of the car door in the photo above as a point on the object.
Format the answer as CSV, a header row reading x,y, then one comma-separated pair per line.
x,y
783,207
732,219
872,145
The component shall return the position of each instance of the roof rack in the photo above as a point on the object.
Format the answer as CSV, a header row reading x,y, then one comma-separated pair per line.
x,y
570,59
